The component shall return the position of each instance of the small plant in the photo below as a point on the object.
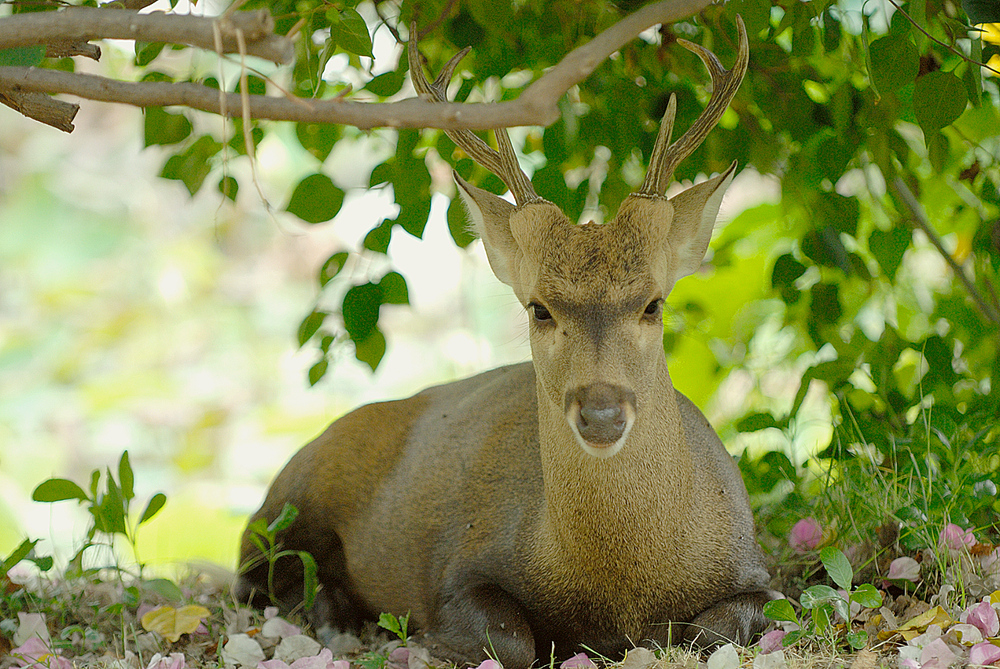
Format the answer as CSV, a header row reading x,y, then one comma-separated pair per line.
x,y
110,508
823,601
397,626
264,536
26,551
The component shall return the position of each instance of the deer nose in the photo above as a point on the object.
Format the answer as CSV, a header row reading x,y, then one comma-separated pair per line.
x,y
601,424
600,413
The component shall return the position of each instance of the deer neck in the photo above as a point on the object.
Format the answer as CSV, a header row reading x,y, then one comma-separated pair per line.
x,y
627,498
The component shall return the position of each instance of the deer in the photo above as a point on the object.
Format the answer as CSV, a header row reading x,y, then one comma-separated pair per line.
x,y
574,500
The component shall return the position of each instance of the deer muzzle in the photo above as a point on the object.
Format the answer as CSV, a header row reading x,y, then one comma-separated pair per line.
x,y
600,416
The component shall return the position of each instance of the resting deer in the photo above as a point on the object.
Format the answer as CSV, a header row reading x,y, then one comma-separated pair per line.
x,y
577,499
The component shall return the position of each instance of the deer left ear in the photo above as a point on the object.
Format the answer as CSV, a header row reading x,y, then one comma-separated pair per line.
x,y
695,212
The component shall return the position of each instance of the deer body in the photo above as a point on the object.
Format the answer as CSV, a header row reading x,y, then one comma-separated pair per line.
x,y
578,499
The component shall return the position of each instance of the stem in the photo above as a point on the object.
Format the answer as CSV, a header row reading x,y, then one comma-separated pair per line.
x,y
939,42
919,217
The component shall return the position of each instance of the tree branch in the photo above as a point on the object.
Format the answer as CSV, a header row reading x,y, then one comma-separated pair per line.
x,y
82,24
920,219
537,105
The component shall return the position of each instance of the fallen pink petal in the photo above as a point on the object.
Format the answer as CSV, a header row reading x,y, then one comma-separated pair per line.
x,y
490,664
984,654
956,538
36,654
983,616
904,568
172,661
771,641
805,535
578,661
937,655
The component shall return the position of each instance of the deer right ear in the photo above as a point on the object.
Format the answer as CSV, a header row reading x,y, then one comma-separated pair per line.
x,y
490,216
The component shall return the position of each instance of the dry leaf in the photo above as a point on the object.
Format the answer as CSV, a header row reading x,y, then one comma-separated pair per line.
x,y
865,659
171,623
916,626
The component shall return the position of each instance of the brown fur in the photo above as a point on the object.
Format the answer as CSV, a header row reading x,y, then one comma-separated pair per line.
x,y
477,508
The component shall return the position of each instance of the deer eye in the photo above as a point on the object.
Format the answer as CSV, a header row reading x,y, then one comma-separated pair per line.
x,y
539,312
654,308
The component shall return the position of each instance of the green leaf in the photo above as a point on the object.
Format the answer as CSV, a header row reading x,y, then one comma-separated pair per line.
x,y
44,563
22,56
458,223
867,595
255,85
229,187
824,247
837,566
818,595
146,52
164,588
786,272
888,247
332,267
893,62
780,610
161,127
858,639
821,618
315,199
394,290
350,31
371,350
387,83
193,164
19,553
360,310
982,11
284,520
317,138
318,371
413,214
824,306
839,212
153,507
58,490
310,325
939,98
125,477
378,238
397,626
757,421
110,513
792,637
310,579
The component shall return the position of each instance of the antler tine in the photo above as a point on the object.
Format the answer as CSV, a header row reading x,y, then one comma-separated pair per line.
x,y
502,163
659,154
724,86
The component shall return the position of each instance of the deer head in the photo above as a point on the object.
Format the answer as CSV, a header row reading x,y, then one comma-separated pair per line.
x,y
595,293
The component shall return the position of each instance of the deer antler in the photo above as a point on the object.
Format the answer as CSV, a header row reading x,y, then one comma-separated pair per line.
x,y
502,163
665,156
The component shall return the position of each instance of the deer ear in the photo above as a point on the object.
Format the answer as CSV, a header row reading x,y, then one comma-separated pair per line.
x,y
695,211
491,219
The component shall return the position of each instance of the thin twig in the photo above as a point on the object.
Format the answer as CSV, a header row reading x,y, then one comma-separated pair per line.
x,y
537,105
430,27
919,217
939,42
